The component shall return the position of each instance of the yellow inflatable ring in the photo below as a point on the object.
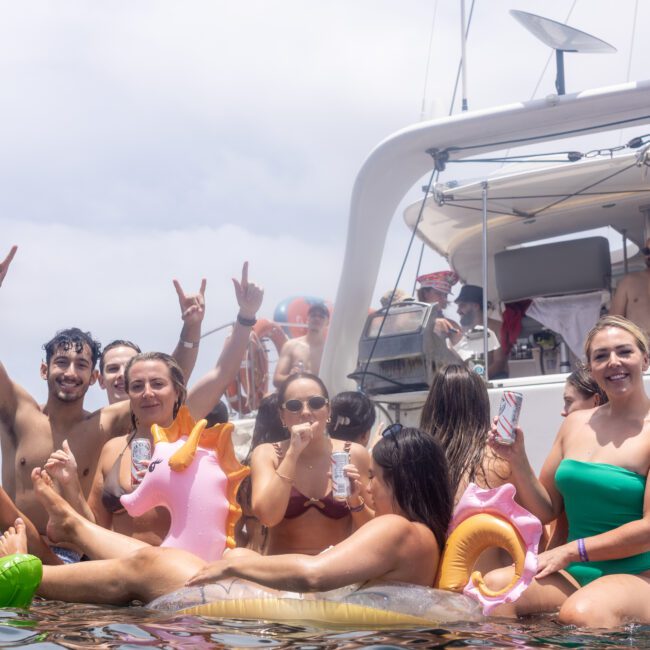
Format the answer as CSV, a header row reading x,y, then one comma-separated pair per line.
x,y
480,523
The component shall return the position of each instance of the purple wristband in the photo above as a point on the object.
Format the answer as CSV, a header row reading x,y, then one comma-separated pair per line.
x,y
582,551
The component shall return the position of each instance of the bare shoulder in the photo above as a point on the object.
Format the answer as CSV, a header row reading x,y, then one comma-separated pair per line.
x,y
358,451
267,451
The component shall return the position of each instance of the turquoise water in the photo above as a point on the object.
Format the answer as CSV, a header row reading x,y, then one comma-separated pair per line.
x,y
60,625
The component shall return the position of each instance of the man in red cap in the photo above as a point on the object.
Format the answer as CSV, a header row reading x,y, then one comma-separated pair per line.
x,y
435,289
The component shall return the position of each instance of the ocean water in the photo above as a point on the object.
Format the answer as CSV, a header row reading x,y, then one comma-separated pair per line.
x,y
49,624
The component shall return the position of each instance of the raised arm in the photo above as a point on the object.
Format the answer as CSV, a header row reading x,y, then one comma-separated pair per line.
x,y
209,389
8,393
372,552
4,265
192,312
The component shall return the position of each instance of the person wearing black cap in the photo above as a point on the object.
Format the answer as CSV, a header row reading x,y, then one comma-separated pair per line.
x,y
469,305
303,354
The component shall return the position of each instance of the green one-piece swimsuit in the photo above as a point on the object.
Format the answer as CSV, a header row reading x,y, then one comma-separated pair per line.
x,y
599,497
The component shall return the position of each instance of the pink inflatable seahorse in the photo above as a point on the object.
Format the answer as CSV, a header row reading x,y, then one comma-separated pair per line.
x,y
195,475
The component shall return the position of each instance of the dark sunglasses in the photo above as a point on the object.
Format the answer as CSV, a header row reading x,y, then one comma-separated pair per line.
x,y
646,251
392,431
315,403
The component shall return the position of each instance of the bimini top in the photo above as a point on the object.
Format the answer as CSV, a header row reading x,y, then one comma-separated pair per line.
x,y
531,205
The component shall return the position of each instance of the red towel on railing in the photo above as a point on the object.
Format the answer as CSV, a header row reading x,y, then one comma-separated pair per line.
x,y
511,326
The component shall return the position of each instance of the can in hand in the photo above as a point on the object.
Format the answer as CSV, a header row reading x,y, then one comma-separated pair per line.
x,y
508,419
140,450
340,482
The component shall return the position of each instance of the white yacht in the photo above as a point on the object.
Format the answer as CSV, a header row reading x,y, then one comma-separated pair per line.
x,y
501,232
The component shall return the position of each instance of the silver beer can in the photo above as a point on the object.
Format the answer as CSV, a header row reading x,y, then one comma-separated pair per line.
x,y
509,410
340,482
140,450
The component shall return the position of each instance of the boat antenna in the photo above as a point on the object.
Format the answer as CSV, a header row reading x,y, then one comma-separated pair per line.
x,y
426,71
561,38
463,57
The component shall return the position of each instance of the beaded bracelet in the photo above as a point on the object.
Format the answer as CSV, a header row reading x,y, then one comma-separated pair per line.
x,y
358,508
582,551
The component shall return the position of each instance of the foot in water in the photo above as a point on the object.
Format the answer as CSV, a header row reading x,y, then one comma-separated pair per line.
x,y
14,540
62,517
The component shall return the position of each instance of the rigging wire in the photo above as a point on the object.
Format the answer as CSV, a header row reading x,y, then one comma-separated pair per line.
x,y
399,276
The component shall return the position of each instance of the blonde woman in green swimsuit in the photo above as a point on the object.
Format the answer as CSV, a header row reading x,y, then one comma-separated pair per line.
x,y
597,473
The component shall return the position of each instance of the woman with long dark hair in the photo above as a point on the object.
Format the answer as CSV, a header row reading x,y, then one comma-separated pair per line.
x,y
292,490
457,414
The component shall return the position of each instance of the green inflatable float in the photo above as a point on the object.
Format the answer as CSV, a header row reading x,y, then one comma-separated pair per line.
x,y
20,575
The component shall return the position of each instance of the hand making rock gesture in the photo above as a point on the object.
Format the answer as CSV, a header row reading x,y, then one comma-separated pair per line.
x,y
4,265
249,295
192,305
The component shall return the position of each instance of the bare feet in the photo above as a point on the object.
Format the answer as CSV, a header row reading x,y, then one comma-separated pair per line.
x,y
62,516
14,539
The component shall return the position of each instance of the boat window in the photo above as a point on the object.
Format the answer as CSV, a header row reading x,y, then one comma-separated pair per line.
x,y
400,319
613,236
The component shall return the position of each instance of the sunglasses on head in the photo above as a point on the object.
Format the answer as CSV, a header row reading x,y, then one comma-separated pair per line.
x,y
646,251
314,403
392,431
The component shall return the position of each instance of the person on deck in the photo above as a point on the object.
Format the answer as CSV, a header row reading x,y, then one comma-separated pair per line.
x,y
435,289
304,353
632,297
470,309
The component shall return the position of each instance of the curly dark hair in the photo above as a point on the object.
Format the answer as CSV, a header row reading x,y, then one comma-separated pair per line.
x,y
72,339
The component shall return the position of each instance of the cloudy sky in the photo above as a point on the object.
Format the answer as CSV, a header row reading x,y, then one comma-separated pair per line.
x,y
149,140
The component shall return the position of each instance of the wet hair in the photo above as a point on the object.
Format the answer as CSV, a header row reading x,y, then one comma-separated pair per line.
x,y
586,385
175,373
415,468
352,415
282,390
621,323
117,343
268,428
72,339
218,415
457,415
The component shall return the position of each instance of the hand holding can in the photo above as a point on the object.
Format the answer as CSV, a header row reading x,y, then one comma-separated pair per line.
x,y
340,481
508,418
140,451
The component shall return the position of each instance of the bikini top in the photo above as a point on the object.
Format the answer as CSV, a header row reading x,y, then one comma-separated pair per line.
x,y
113,490
299,503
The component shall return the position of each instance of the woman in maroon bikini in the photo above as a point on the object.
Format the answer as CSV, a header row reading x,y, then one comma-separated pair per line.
x,y
292,488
